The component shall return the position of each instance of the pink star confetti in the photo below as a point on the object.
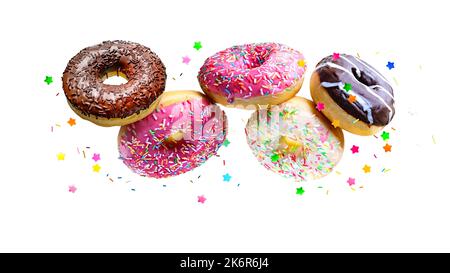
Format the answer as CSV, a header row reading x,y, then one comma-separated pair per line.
x,y
320,106
96,157
335,56
186,60
351,181
72,188
201,199
355,149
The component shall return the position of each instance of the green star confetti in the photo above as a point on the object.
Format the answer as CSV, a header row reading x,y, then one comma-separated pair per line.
x,y
48,79
198,45
300,191
275,157
226,143
347,87
385,135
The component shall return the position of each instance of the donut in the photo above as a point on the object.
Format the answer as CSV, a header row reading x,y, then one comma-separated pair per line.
x,y
113,105
354,95
182,132
253,74
295,140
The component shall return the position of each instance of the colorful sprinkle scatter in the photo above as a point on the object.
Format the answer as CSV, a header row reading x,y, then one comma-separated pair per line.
x,y
293,143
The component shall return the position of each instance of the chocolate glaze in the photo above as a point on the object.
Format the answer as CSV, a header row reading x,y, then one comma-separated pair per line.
x,y
85,90
370,108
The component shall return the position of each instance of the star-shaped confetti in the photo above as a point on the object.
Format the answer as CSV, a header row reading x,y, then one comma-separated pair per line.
x,y
274,157
387,147
226,177
300,191
351,98
198,45
385,135
336,123
72,188
351,181
71,122
96,157
366,168
390,65
226,142
347,86
96,168
301,63
320,106
335,56
48,79
201,199
186,59
61,156
355,149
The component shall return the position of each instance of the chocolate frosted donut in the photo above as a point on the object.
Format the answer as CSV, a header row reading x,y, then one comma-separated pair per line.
x,y
353,93
114,105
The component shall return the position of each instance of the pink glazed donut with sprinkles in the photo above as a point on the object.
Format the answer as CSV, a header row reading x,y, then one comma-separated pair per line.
x,y
182,131
253,74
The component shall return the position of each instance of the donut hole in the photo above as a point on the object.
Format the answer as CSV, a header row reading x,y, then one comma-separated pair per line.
x,y
114,76
258,57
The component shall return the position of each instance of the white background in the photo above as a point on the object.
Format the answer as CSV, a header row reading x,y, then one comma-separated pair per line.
x,y
404,209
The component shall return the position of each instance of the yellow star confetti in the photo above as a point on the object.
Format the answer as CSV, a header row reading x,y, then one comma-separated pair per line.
x,y
96,168
366,168
61,156
336,123
301,63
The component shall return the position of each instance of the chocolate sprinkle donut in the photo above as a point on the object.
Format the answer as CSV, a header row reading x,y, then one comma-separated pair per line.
x,y
85,72
375,97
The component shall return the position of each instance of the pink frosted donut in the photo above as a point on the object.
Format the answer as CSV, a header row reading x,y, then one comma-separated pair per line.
x,y
182,131
253,74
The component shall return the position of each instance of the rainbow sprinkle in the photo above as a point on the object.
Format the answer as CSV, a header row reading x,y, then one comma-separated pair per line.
x,y
320,152
252,70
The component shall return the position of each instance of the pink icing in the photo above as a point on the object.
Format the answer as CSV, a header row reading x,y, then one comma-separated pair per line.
x,y
143,147
252,70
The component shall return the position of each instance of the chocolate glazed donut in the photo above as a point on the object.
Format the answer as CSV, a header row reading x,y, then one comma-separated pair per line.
x,y
114,105
372,106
